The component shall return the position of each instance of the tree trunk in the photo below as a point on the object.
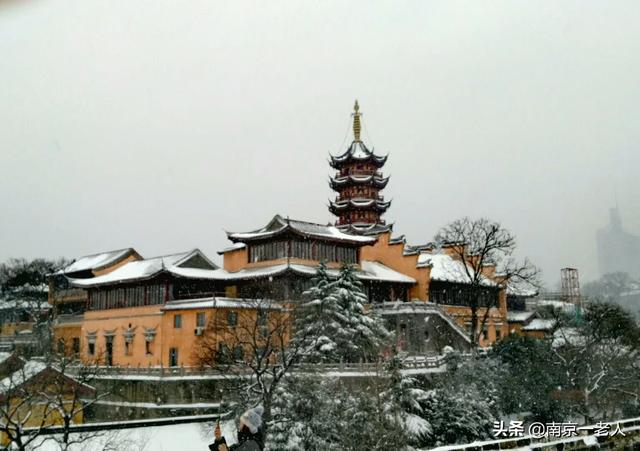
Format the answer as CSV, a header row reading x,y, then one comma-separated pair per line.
x,y
65,435
474,325
266,416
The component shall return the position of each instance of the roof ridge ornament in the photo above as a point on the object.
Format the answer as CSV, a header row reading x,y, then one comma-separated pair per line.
x,y
356,122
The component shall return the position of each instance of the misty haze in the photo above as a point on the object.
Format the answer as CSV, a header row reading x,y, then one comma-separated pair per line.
x,y
303,226
165,129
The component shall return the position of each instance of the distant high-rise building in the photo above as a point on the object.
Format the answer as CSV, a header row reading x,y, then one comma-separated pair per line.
x,y
618,250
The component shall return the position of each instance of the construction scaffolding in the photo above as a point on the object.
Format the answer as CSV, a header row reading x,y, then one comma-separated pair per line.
x,y
570,284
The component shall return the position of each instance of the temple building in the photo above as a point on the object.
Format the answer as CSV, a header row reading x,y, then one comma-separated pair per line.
x,y
279,260
70,302
439,273
120,309
130,316
358,182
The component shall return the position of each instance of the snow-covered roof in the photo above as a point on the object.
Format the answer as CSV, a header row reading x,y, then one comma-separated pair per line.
x,y
519,317
521,288
98,261
357,152
280,225
382,272
410,249
372,179
365,228
233,247
540,324
220,302
145,269
541,302
196,273
446,268
359,203
567,335
370,270
30,369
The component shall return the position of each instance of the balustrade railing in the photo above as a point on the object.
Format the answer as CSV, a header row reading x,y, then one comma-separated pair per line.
x,y
417,362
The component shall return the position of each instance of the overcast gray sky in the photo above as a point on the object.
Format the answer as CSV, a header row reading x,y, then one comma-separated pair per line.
x,y
159,124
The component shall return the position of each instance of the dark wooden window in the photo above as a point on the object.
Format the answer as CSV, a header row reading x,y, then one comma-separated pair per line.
x,y
177,321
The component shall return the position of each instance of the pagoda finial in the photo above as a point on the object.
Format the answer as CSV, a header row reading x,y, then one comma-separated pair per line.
x,y
356,121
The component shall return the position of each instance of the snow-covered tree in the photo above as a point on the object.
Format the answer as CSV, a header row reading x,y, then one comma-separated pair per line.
x,y
463,406
335,322
456,416
318,414
600,356
314,319
401,404
23,294
360,335
69,394
303,415
618,287
478,243
524,387
256,353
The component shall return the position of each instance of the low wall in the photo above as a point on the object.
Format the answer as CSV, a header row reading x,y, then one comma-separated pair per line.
x,y
134,395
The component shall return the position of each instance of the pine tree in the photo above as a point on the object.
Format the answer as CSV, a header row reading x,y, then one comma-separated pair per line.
x,y
311,329
401,404
305,416
360,335
456,416
334,324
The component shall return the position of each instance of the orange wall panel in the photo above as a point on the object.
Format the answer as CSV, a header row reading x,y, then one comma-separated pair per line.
x,y
235,260
392,256
118,321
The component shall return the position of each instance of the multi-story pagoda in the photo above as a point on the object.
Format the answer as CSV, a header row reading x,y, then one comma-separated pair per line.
x,y
358,182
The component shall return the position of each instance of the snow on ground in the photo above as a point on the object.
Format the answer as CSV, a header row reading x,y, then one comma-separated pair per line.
x,y
188,436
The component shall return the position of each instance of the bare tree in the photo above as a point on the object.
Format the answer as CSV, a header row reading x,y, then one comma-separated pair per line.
x,y
600,356
68,395
23,411
42,395
250,343
479,244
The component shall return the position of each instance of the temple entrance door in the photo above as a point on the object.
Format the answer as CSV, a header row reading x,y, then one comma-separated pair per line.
x,y
173,357
109,351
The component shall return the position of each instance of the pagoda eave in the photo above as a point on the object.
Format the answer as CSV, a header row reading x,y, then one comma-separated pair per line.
x,y
340,162
356,205
351,180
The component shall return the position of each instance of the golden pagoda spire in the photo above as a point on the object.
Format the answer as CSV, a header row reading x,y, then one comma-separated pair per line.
x,y
356,121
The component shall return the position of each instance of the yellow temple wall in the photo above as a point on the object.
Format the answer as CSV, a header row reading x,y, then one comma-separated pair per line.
x,y
392,256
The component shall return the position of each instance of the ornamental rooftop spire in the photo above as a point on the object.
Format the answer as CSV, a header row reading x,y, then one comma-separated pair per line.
x,y
356,121
358,182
